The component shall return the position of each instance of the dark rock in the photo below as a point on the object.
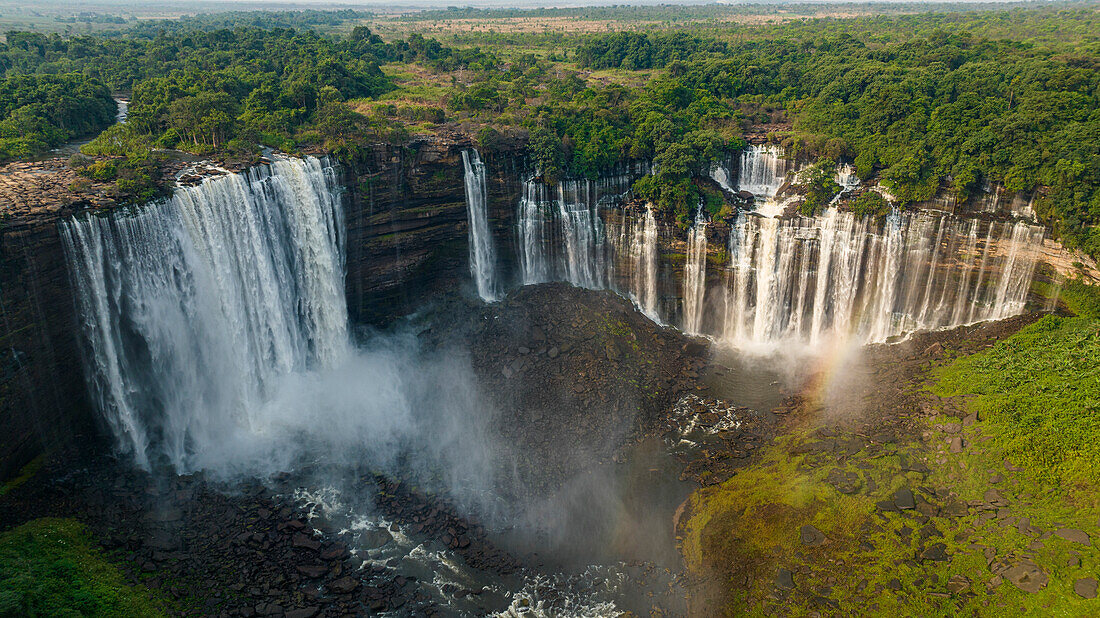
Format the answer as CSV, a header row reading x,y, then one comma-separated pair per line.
x,y
343,585
887,506
312,570
845,482
785,579
303,541
307,612
936,553
957,584
955,508
994,498
903,499
957,444
811,536
163,540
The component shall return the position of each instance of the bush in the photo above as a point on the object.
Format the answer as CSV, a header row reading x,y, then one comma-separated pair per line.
x,y
871,204
100,171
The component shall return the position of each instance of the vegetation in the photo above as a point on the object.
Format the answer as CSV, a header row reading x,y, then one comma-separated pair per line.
x,y
925,102
50,567
1039,392
44,111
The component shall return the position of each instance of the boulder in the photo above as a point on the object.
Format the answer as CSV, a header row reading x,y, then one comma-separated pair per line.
x,y
1074,535
1085,587
1027,576
811,536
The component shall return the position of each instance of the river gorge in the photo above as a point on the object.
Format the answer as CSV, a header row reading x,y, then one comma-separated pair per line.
x,y
391,353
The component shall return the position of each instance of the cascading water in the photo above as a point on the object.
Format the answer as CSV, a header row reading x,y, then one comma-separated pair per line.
x,y
695,275
762,171
194,308
806,280
638,241
482,254
561,237
721,175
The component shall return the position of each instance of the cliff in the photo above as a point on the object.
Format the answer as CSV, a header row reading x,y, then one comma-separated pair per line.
x,y
407,226
43,400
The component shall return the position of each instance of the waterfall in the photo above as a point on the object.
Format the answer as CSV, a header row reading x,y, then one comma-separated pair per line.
x,y
808,279
642,251
762,171
482,254
560,234
695,275
721,175
195,308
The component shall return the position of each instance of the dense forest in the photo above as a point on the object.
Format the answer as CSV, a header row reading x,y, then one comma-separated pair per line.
x,y
43,111
926,103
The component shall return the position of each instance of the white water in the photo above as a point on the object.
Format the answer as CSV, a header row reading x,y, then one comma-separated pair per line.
x,y
721,175
482,253
762,170
195,308
637,240
560,235
695,275
836,276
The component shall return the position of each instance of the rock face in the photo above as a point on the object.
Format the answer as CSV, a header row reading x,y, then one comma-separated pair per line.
x,y
407,225
43,401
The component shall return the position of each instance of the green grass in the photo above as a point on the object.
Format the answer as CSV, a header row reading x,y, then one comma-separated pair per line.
x,y
50,567
1039,391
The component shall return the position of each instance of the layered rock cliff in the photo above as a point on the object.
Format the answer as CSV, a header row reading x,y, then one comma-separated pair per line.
x,y
43,401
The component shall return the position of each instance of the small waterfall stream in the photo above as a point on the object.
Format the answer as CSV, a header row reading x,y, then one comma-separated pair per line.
x,y
482,253
560,233
695,275
762,170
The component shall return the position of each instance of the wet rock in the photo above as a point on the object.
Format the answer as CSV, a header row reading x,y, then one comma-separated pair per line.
x,y
1074,535
811,536
373,539
1085,587
303,541
336,552
343,585
306,612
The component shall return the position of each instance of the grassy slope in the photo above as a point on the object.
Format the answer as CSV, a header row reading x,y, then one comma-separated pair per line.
x,y
1036,392
50,567
1040,392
